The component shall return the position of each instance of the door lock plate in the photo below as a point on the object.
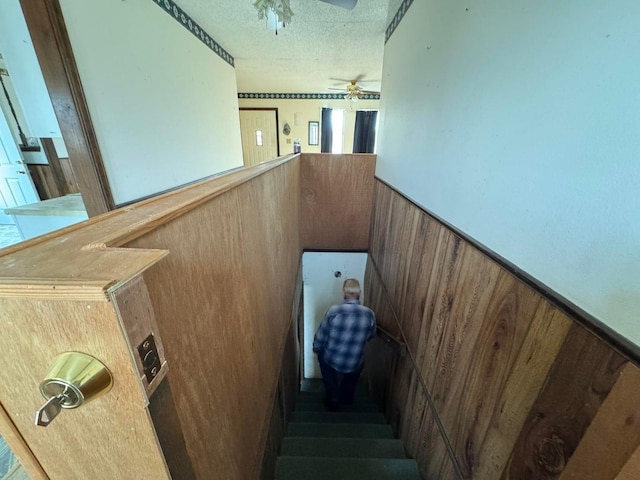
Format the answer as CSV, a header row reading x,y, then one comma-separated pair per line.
x,y
149,358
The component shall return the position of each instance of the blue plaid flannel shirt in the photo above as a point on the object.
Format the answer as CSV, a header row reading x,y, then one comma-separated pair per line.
x,y
342,335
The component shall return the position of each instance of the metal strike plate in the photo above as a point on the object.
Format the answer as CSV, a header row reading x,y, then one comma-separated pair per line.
x,y
149,357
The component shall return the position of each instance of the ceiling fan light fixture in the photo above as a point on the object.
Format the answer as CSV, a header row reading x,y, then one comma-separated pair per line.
x,y
277,13
352,95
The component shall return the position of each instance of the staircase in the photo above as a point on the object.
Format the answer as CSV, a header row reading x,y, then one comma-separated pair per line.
x,y
354,443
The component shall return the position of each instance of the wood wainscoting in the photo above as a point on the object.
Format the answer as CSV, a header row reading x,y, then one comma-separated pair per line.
x,y
213,272
223,299
284,392
49,183
500,382
336,192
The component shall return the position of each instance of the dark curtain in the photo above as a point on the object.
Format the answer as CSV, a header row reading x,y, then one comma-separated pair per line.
x,y
364,137
326,135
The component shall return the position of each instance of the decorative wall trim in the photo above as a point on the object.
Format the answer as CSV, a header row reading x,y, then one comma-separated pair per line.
x,y
397,19
187,22
305,96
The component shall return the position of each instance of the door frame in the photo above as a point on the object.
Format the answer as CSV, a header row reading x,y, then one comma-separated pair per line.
x,y
277,121
53,48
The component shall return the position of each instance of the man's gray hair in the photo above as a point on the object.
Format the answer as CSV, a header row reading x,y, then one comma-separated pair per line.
x,y
351,286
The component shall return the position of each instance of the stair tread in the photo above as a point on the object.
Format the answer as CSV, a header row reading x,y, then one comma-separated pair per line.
x,y
319,468
345,430
338,417
343,447
321,398
316,385
311,384
320,407
321,401
360,394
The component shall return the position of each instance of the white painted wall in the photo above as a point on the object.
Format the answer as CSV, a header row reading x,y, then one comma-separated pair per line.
x,y
519,123
322,289
163,104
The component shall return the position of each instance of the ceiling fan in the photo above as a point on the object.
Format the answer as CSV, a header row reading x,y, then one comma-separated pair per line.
x,y
348,4
355,91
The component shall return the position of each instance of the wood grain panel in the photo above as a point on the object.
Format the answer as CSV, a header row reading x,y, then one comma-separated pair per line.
x,y
462,301
223,335
395,384
535,357
165,419
60,168
516,382
44,181
375,295
79,443
286,390
631,469
580,380
379,363
220,261
335,201
614,434
48,185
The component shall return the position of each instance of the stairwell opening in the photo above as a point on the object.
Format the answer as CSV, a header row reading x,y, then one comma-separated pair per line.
x,y
355,441
323,274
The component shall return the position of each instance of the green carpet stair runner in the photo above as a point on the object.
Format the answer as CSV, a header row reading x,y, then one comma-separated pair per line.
x,y
352,444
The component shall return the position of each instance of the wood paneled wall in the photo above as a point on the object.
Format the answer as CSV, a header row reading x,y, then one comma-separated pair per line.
x,y
335,201
213,271
521,389
79,443
284,399
223,300
53,182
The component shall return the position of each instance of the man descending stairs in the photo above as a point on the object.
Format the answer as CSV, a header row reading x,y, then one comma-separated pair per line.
x,y
351,444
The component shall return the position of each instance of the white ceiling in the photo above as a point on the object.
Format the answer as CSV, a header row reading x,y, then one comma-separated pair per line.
x,y
322,43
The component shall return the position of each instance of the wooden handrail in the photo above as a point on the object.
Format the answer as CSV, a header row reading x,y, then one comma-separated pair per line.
x,y
392,341
84,260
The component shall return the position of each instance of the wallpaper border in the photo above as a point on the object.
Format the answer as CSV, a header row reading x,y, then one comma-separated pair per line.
x,y
402,10
196,30
304,96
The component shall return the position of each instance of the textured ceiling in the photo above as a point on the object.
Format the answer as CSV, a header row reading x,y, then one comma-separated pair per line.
x,y
322,43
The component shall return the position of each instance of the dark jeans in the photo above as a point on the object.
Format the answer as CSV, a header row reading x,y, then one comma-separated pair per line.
x,y
339,387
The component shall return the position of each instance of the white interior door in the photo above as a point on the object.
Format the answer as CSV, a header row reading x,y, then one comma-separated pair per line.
x,y
16,186
259,131
323,288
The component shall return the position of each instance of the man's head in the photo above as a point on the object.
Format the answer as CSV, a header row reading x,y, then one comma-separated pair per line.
x,y
351,289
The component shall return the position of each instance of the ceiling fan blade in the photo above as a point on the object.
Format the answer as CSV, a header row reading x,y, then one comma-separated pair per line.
x,y
348,4
369,92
